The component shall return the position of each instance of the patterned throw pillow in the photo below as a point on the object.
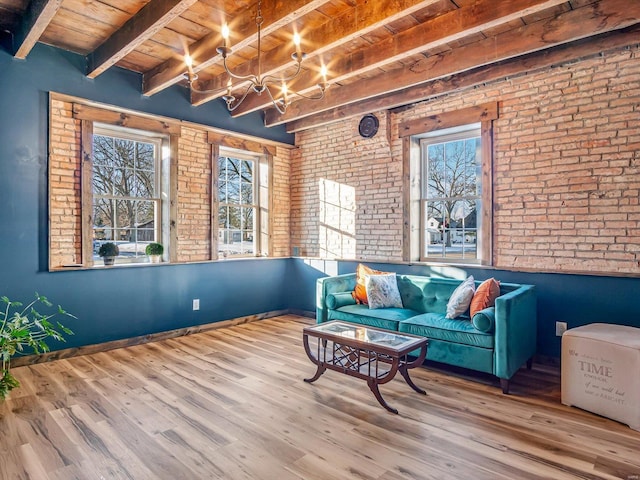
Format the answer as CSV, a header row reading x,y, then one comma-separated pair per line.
x,y
485,296
382,291
360,292
461,298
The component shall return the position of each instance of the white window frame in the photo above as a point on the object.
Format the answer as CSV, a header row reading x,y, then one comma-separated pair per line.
x,y
257,160
464,132
412,132
161,187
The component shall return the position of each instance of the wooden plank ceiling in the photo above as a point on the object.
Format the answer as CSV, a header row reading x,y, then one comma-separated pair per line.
x,y
379,53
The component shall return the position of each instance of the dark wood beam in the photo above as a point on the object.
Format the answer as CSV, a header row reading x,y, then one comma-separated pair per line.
x,y
528,63
203,52
36,18
151,18
449,27
599,17
9,18
357,21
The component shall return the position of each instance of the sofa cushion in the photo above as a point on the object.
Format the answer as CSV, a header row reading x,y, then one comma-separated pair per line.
x,y
382,291
485,296
461,298
386,318
360,291
485,320
425,294
340,299
435,325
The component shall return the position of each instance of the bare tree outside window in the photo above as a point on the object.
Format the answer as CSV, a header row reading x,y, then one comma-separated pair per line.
x,y
237,207
451,195
125,193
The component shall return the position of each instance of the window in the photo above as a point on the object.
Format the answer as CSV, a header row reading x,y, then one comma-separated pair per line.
x,y
447,186
126,180
451,193
238,208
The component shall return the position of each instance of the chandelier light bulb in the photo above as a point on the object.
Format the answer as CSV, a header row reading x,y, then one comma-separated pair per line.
x,y
296,39
225,35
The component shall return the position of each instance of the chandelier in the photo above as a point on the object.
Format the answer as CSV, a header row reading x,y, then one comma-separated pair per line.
x,y
259,83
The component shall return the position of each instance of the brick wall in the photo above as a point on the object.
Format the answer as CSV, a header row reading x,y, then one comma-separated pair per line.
x,y
346,193
65,239
194,196
193,202
566,171
281,204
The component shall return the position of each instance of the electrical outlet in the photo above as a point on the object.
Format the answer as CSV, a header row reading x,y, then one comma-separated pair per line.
x,y
196,304
561,327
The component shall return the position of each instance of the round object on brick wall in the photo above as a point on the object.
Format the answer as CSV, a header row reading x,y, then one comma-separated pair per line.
x,y
368,126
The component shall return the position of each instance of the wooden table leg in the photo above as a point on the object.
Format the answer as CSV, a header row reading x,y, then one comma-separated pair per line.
x,y
373,385
321,369
405,374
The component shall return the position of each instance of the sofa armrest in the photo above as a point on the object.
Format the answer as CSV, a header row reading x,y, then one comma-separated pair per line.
x,y
326,285
515,330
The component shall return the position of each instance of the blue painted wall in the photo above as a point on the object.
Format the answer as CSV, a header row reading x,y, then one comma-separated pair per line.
x,y
575,299
119,302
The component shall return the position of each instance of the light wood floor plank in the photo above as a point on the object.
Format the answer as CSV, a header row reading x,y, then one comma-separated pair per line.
x,y
231,404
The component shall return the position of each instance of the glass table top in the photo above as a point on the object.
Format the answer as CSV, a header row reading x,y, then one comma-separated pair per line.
x,y
365,334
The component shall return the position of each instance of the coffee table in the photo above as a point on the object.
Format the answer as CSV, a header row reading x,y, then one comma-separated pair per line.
x,y
369,353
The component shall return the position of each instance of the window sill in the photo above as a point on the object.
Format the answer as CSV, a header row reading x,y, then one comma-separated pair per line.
x,y
66,268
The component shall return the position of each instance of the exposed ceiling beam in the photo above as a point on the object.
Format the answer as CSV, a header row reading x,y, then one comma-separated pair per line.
x,y
203,52
515,66
151,18
360,20
599,17
449,27
34,22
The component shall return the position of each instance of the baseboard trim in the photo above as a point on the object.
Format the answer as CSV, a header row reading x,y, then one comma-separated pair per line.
x,y
546,360
302,313
142,339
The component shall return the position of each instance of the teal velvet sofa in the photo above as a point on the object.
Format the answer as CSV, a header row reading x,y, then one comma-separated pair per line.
x,y
498,340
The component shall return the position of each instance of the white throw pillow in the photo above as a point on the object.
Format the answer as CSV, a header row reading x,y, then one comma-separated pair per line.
x,y
461,298
382,291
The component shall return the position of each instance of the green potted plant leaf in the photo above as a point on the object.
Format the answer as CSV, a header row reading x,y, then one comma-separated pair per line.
x,y
154,251
109,251
22,328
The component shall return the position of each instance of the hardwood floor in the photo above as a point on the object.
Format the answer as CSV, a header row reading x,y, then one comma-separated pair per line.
x,y
231,404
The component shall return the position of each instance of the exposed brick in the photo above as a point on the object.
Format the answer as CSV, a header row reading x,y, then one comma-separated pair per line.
x,y
65,236
566,162
194,193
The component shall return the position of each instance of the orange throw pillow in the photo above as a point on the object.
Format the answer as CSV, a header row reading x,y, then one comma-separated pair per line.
x,y
485,296
360,292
